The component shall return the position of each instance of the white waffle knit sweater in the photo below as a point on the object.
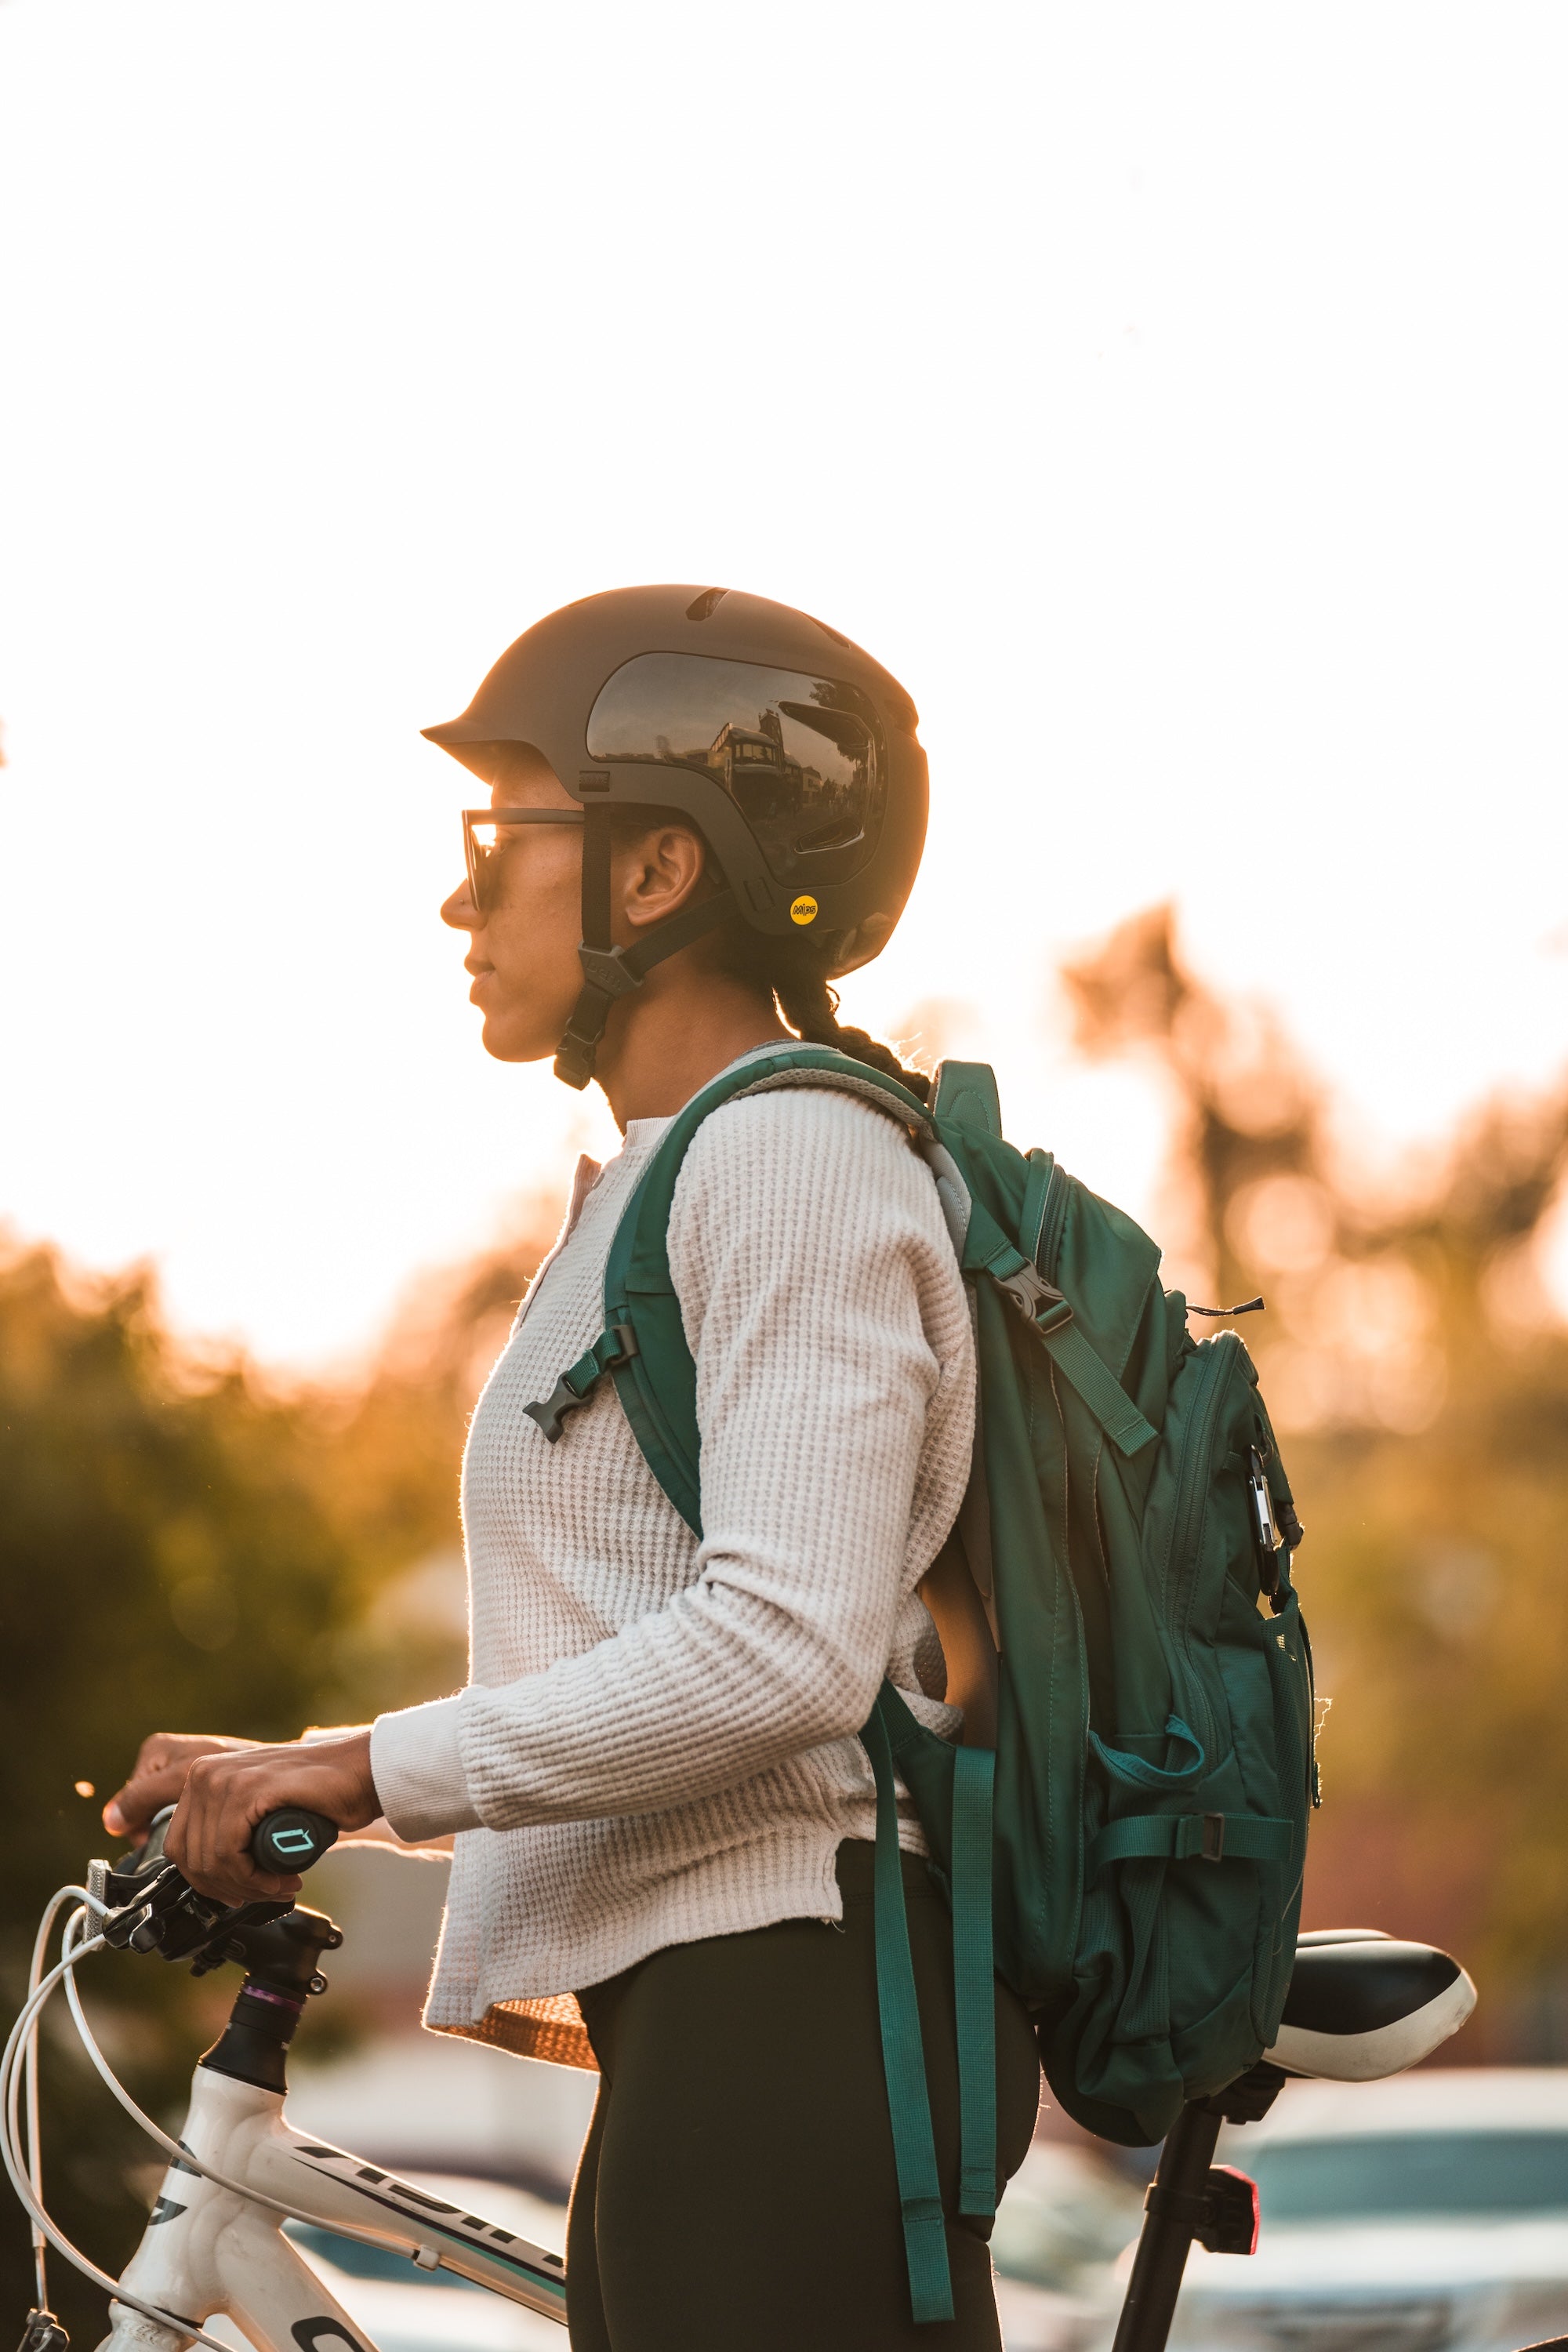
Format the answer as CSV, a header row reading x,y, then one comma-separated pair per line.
x,y
657,1741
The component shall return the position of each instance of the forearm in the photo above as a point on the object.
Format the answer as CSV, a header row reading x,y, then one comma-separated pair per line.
x,y
701,1696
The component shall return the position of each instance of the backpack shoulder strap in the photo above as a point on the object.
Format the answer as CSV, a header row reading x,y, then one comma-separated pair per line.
x,y
643,1345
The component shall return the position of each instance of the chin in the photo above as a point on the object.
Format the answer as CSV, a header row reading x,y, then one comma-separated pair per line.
x,y
507,1041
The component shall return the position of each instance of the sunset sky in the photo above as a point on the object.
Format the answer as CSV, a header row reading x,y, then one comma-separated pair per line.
x,y
1172,398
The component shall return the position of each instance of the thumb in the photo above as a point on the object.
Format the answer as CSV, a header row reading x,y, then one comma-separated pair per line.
x,y
129,1811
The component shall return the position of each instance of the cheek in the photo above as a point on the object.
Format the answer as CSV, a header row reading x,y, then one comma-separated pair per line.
x,y
540,916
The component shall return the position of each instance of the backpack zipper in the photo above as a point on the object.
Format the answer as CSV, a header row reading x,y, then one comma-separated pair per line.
x,y
1047,1240
1191,1488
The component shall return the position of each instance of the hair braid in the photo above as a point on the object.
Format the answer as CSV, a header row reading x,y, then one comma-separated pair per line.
x,y
810,1004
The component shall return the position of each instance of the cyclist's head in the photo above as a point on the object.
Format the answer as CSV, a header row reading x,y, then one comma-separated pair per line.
x,y
788,755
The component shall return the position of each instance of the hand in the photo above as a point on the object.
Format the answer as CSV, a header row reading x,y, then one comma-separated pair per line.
x,y
158,1776
228,1792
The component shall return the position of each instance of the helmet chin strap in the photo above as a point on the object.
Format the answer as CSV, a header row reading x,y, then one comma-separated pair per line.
x,y
609,971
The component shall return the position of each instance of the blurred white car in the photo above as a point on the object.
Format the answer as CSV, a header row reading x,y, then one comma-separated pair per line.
x,y
404,2309
1066,2217
1426,2214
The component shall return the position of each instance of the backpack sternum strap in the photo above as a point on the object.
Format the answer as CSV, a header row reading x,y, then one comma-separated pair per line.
x,y
1049,1316
609,1351
1191,1837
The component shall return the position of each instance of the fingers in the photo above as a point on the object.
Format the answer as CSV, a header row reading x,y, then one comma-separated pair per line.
x,y
158,1776
225,1795
130,1813
209,1836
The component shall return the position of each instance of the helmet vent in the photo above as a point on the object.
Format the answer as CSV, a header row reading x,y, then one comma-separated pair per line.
x,y
701,608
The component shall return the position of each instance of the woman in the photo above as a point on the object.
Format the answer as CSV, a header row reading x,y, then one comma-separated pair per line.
x,y
707,804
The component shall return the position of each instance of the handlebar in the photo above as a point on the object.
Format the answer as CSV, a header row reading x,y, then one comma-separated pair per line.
x,y
292,1839
150,1906
286,1840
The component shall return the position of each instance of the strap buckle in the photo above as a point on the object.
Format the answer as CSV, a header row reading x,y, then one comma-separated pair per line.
x,y
1038,1301
613,1349
606,968
1212,1846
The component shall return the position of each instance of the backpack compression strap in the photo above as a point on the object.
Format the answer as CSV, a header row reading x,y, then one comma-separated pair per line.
x,y
987,1250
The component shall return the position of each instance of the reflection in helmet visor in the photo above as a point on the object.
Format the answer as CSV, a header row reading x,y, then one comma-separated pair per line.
x,y
798,755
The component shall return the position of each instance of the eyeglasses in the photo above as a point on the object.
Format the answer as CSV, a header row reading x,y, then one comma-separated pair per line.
x,y
483,857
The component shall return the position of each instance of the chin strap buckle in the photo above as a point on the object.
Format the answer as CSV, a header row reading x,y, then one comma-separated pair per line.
x,y
609,1351
606,975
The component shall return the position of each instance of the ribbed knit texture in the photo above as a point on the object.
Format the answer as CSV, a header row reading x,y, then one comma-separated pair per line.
x,y
659,1735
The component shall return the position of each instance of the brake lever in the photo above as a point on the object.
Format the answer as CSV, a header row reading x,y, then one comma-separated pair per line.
x,y
154,1908
163,1914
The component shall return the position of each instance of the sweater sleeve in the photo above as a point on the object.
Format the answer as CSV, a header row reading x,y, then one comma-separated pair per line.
x,y
825,1314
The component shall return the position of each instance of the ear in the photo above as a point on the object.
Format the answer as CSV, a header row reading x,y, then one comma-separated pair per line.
x,y
657,875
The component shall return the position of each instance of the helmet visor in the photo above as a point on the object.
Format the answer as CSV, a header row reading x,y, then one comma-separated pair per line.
x,y
801,756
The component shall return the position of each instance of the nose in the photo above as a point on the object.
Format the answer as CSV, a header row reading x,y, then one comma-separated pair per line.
x,y
460,911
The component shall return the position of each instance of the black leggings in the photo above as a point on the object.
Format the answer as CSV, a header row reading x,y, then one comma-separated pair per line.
x,y
736,2191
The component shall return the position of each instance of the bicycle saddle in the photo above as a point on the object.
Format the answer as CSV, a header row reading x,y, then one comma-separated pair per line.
x,y
1361,2005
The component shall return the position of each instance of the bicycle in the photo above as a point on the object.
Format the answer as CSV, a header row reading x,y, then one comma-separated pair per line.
x,y
1360,2005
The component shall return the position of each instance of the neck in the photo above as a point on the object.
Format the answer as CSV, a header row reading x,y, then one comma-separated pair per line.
x,y
676,1033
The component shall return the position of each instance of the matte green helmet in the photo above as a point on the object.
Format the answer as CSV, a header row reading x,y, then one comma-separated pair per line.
x,y
793,753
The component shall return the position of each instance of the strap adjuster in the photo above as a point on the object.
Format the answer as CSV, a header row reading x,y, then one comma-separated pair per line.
x,y
606,968
1038,1301
1212,1846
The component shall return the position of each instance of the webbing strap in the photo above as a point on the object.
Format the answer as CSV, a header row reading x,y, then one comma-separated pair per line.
x,y
973,1978
596,855
1098,1387
1191,1837
609,971
987,1250
903,2054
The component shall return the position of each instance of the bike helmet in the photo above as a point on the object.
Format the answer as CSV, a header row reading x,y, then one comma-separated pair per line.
x,y
793,753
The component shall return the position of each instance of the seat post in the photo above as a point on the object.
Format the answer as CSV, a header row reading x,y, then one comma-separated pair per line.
x,y
1164,2238
1188,2200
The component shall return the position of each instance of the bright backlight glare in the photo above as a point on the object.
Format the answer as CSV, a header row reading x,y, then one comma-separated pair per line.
x,y
1172,399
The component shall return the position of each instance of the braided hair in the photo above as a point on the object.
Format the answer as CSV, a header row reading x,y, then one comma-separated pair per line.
x,y
810,1004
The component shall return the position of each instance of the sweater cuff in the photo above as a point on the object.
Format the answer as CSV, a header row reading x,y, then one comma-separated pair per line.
x,y
417,1768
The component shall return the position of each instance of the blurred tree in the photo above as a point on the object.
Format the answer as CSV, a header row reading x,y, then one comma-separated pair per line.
x,y
183,1549
1419,1377
165,1563
388,1453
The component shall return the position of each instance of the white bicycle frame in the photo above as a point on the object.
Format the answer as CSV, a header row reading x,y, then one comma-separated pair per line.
x,y
208,2249
214,2242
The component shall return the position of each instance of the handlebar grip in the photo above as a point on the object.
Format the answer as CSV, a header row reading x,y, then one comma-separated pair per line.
x,y
291,1840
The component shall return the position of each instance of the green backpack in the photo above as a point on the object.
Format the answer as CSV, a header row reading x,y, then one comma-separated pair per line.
x,y
1122,1833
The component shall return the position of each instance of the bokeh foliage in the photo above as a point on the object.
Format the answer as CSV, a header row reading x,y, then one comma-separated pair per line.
x,y
183,1546
1418,1373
